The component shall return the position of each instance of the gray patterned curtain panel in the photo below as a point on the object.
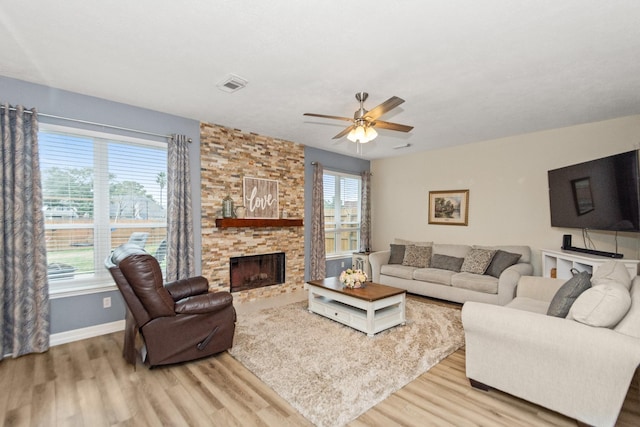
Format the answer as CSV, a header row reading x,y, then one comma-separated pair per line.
x,y
180,255
365,212
318,264
24,293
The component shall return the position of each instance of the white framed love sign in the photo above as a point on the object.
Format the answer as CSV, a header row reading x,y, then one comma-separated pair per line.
x,y
260,197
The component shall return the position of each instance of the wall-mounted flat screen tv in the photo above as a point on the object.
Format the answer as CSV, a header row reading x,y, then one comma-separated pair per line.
x,y
600,194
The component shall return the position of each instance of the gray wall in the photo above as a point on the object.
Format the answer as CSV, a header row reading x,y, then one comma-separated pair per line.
x,y
333,162
82,311
74,312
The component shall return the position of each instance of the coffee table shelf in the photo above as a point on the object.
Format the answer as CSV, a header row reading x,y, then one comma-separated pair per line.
x,y
369,310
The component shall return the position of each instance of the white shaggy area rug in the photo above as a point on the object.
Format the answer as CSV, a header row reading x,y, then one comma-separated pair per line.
x,y
331,373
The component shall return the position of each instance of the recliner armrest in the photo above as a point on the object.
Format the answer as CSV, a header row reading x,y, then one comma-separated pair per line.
x,y
204,303
184,288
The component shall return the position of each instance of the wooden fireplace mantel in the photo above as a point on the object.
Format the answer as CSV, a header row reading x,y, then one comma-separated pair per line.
x,y
258,222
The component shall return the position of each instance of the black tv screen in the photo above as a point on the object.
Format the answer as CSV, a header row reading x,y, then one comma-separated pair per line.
x,y
600,194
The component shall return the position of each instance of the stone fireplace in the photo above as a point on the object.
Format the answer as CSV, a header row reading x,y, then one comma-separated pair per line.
x,y
256,271
227,155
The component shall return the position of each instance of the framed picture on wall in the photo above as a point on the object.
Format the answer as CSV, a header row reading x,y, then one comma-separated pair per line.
x,y
449,207
260,197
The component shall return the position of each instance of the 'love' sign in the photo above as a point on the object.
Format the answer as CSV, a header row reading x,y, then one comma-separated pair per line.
x,y
260,197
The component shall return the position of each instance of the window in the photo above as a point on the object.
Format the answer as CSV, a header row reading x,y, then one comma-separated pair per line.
x,y
341,213
99,191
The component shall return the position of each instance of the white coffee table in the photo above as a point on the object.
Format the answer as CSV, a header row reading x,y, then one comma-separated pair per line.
x,y
371,309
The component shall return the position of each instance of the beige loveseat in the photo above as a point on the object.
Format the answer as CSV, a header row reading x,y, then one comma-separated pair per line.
x,y
439,280
569,366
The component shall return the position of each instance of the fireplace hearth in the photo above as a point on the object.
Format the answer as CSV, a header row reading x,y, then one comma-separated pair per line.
x,y
256,271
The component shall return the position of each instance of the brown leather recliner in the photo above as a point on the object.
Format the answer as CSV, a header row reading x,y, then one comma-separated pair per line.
x,y
179,321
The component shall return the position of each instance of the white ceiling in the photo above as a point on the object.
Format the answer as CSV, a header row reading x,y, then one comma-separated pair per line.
x,y
469,70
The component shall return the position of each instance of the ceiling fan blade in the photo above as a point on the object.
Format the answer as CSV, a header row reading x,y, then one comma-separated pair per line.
x,y
392,126
386,106
344,132
328,117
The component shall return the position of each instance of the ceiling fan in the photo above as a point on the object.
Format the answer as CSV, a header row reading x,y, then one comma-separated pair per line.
x,y
362,128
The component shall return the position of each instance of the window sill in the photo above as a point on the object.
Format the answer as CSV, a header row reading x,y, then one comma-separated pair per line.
x,y
339,256
77,289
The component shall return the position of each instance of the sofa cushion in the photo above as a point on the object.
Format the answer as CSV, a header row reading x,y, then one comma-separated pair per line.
x,y
601,306
501,261
434,275
397,254
568,293
611,272
446,262
524,251
411,242
477,260
397,270
475,282
630,325
459,251
529,304
417,256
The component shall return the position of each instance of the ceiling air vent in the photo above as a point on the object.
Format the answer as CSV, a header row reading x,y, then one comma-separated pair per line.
x,y
232,83
401,146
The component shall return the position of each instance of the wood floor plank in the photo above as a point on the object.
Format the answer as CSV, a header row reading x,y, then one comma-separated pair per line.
x,y
91,405
189,409
88,383
110,391
18,417
43,405
161,404
21,382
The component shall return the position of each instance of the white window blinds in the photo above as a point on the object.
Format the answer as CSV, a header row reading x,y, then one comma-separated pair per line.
x,y
99,191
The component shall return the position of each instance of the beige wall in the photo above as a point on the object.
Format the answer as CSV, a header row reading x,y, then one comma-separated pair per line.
x,y
507,179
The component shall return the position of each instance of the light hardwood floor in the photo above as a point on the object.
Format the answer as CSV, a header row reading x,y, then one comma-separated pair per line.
x,y
87,383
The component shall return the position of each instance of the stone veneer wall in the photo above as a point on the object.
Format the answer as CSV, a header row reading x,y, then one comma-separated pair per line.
x,y
226,156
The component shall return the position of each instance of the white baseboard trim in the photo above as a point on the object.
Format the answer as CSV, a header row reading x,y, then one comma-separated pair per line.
x,y
84,333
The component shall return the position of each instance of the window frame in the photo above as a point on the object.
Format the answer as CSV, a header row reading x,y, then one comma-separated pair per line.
x,y
101,280
339,229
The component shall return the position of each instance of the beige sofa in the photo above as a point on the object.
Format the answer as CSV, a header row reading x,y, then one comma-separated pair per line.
x,y
574,368
456,286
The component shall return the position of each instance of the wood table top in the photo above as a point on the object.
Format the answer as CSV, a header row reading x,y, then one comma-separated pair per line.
x,y
371,291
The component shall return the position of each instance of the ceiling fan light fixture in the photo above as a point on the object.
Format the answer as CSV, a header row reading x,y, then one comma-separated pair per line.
x,y
362,134
352,135
362,128
370,133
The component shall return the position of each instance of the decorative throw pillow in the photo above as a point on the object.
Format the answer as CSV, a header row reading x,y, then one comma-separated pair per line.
x,y
397,254
602,306
417,256
630,323
612,272
568,293
477,260
501,261
446,262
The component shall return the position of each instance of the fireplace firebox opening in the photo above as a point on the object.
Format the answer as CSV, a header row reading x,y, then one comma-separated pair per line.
x,y
256,271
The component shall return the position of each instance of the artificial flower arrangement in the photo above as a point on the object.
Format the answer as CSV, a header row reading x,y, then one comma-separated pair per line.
x,y
353,278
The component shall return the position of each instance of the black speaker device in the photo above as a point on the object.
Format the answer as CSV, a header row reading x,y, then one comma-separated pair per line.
x,y
566,241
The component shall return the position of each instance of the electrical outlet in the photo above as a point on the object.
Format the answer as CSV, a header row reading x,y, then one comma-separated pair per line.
x,y
106,302
342,264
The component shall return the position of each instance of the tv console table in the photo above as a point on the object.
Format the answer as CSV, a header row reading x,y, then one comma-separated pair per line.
x,y
563,261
